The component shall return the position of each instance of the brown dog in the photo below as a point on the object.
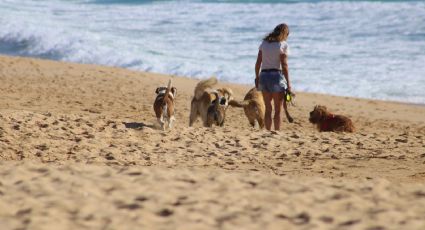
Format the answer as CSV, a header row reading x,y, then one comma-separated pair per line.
x,y
217,111
253,106
327,121
164,105
203,98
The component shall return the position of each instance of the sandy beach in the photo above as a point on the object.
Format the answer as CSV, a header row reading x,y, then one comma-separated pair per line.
x,y
80,149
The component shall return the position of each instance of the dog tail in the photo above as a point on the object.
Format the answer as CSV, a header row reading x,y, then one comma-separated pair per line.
x,y
203,85
167,91
239,104
217,100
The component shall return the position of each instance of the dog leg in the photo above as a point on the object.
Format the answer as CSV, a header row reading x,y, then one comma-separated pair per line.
x,y
170,122
205,121
260,122
166,123
192,119
161,122
209,122
193,115
251,121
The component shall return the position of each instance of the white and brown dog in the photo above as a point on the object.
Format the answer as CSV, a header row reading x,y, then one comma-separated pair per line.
x,y
210,105
164,105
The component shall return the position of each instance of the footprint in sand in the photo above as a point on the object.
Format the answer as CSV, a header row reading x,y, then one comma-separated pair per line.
x,y
419,194
326,219
165,212
141,198
42,147
132,206
24,212
134,173
109,157
300,219
401,140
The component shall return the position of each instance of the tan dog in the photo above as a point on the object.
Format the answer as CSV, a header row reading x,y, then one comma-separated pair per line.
x,y
164,105
203,98
253,106
327,121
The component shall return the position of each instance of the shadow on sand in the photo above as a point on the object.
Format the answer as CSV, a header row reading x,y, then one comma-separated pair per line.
x,y
137,125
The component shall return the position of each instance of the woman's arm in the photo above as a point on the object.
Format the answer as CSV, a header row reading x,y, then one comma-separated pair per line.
x,y
257,67
285,71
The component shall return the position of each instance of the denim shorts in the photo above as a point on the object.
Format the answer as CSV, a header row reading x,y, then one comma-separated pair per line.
x,y
271,82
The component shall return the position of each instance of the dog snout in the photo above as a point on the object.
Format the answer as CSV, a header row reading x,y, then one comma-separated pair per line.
x,y
223,101
311,118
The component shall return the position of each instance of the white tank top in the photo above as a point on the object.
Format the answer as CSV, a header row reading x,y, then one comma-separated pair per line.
x,y
271,52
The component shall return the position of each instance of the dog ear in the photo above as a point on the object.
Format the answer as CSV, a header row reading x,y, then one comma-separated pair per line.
x,y
157,90
322,111
174,91
321,107
228,96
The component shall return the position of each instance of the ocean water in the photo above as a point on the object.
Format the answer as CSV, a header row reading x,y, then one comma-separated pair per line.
x,y
367,49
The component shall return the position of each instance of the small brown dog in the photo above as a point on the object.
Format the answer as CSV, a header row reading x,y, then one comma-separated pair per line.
x,y
217,111
203,98
327,121
164,105
253,106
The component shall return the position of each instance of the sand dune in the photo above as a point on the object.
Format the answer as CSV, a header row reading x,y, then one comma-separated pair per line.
x,y
80,149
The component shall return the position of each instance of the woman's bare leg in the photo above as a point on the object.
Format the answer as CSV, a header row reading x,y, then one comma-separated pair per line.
x,y
277,99
268,114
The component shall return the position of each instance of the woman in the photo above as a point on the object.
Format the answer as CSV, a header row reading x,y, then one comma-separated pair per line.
x,y
272,60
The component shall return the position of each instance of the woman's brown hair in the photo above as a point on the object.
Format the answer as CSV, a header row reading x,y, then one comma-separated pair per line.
x,y
280,33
